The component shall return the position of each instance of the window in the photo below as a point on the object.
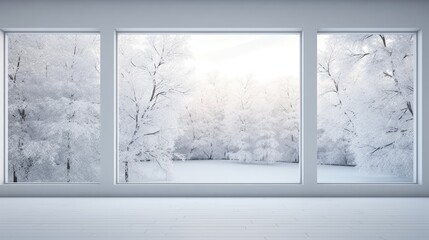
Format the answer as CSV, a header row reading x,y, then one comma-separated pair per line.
x,y
366,107
211,113
208,108
53,104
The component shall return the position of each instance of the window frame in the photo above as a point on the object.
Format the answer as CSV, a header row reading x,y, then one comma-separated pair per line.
x,y
416,83
4,120
308,186
192,31
2,103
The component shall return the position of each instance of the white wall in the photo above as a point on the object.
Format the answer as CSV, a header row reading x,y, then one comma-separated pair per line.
x,y
307,15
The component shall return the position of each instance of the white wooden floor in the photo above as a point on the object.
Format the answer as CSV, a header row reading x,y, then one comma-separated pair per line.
x,y
214,218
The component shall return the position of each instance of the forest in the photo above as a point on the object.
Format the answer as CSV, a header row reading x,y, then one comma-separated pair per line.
x,y
171,110
53,84
211,107
366,107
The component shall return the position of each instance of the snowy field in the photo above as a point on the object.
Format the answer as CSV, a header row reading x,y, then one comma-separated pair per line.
x,y
217,171
224,171
342,174
229,171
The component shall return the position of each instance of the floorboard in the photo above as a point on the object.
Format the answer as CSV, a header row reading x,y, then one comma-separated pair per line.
x,y
214,218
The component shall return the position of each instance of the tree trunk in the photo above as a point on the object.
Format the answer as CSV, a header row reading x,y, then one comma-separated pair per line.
x,y
126,171
71,116
68,170
15,178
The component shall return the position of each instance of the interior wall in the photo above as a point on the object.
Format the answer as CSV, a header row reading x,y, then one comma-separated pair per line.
x,y
310,16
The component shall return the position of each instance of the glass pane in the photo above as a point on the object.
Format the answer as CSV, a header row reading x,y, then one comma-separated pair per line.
x,y
366,107
53,87
209,108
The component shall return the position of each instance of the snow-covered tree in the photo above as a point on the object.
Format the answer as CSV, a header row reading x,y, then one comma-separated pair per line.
x,y
242,123
377,89
286,115
152,83
204,135
386,116
53,107
334,80
20,162
266,143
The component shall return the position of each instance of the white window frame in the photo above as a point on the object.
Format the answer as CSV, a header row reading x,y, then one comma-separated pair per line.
x,y
191,16
189,32
4,121
416,84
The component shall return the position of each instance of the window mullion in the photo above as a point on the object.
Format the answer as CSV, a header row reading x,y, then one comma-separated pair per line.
x,y
107,112
309,106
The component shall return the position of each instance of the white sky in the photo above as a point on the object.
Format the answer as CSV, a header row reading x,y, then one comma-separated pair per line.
x,y
264,57
322,40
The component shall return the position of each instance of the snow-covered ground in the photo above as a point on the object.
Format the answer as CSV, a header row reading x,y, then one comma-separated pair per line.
x,y
229,171
216,171
224,171
342,174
